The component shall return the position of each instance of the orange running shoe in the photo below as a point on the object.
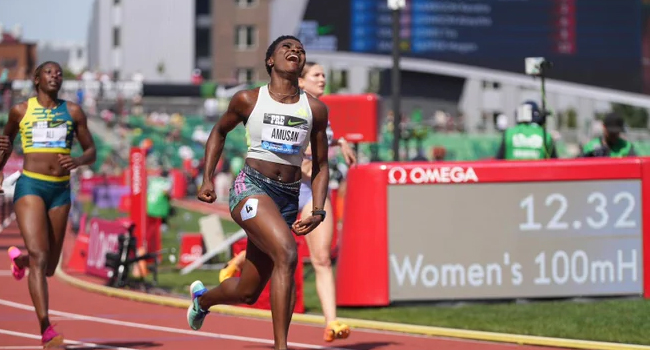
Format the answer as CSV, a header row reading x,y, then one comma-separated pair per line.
x,y
336,330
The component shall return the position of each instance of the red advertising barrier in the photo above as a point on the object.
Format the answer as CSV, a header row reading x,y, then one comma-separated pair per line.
x,y
494,230
264,301
103,238
353,116
138,205
78,259
154,236
125,204
191,249
179,184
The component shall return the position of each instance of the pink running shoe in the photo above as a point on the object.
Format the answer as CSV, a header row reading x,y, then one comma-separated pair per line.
x,y
51,339
15,270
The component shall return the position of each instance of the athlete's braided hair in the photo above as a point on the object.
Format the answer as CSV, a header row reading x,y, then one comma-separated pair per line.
x,y
37,71
271,49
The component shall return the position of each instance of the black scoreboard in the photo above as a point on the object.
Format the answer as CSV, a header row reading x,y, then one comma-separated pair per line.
x,y
596,42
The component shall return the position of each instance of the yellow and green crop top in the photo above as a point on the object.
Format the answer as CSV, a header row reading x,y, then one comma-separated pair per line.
x,y
45,130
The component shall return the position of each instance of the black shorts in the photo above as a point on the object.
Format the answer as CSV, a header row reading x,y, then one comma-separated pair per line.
x,y
251,182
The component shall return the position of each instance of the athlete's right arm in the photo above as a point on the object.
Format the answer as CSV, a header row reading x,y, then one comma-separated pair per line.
x,y
238,110
10,131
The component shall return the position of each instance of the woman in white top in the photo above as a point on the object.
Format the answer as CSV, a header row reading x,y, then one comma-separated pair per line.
x,y
313,81
281,120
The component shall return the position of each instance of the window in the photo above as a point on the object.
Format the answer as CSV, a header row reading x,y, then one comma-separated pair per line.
x,y
246,3
9,63
202,42
245,75
202,7
245,37
116,36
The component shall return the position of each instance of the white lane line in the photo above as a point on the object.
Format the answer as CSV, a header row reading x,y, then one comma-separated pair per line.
x,y
162,328
67,341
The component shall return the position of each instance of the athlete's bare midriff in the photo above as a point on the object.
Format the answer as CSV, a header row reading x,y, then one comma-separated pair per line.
x,y
44,163
279,172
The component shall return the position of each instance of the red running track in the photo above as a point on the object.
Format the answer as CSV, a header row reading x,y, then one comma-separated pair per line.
x,y
94,321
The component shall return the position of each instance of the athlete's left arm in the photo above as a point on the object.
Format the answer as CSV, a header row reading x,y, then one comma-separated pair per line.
x,y
84,136
319,150
348,152
320,175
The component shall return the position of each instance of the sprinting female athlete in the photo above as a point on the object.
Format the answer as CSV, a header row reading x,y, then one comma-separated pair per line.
x,y
312,80
47,126
281,120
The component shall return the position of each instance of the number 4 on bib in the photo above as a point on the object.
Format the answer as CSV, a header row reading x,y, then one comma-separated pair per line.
x,y
249,210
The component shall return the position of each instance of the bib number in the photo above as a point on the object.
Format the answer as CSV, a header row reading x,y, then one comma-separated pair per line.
x,y
284,134
45,136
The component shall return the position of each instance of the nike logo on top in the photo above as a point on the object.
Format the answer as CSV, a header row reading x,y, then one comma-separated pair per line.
x,y
295,122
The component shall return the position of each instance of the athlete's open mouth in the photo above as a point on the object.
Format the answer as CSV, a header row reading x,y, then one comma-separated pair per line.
x,y
293,58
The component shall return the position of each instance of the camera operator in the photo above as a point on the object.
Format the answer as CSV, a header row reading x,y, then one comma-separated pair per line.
x,y
525,141
610,144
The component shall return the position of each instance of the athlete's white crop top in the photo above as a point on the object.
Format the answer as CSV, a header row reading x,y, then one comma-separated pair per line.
x,y
279,132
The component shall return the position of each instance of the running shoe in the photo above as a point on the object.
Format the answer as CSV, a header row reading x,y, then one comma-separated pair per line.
x,y
336,330
196,316
17,272
51,339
